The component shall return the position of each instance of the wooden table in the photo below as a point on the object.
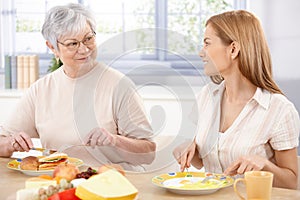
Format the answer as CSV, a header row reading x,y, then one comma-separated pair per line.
x,y
11,181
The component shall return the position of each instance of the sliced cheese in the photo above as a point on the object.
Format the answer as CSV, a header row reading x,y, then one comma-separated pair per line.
x,y
37,182
109,185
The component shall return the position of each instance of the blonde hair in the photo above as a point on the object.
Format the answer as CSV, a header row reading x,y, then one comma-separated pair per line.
x,y
254,56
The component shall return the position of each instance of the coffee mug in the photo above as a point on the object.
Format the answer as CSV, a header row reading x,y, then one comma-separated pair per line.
x,y
258,185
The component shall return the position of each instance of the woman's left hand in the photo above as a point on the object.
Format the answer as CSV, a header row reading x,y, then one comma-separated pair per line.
x,y
246,163
100,137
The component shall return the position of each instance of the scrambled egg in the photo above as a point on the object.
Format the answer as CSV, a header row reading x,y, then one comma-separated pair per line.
x,y
193,183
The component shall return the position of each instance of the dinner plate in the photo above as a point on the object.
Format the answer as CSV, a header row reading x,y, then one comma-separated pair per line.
x,y
189,183
15,165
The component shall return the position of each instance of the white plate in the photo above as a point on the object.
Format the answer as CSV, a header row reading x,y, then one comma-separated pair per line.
x,y
15,165
179,183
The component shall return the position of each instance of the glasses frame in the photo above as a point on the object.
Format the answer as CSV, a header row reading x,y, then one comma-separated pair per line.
x,y
78,43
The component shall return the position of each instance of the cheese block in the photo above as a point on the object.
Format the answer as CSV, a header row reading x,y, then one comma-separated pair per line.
x,y
37,182
109,185
27,194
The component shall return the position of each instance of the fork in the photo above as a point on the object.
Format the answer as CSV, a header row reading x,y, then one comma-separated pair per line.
x,y
47,152
187,173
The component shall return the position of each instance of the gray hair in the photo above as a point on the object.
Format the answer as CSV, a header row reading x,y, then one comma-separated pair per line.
x,y
69,19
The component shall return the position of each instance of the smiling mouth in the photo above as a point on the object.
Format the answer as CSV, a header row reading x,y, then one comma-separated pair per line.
x,y
85,58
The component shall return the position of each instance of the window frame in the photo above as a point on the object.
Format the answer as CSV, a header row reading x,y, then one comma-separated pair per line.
x,y
161,41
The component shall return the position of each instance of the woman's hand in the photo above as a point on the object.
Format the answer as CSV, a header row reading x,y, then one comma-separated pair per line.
x,y
20,141
246,163
184,154
100,137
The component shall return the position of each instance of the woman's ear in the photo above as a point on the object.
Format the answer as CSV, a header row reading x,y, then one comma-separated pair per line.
x,y
235,49
51,47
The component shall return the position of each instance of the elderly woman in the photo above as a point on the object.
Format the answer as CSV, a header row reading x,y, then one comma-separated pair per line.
x,y
82,103
245,122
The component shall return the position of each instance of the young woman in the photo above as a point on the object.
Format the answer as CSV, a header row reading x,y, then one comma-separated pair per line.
x,y
244,121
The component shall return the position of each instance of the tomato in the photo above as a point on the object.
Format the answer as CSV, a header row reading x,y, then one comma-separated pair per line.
x,y
65,195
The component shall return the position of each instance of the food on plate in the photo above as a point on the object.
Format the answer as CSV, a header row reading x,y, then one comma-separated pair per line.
x,y
68,194
46,192
77,181
87,174
43,192
67,171
37,182
107,185
44,187
193,183
51,161
106,167
43,162
45,176
27,194
29,163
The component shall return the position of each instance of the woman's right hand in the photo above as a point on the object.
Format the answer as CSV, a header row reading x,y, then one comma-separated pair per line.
x,y
14,142
184,154
20,141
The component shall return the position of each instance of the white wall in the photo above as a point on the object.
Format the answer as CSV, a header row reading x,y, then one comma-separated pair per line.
x,y
281,22
8,100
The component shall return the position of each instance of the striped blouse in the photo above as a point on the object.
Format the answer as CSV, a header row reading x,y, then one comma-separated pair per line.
x,y
268,122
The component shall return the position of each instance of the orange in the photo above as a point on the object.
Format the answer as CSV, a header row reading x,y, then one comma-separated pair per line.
x,y
44,176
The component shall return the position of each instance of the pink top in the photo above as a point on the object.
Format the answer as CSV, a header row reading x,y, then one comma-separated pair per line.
x,y
268,122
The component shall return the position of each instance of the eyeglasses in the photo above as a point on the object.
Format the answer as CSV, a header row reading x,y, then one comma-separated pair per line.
x,y
74,45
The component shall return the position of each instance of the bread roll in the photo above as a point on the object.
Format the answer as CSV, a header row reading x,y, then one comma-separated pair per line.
x,y
29,163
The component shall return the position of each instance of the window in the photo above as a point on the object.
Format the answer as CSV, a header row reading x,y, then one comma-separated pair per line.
x,y
123,26
140,30
30,16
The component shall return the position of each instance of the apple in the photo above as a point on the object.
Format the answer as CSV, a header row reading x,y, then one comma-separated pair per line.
x,y
67,171
106,167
